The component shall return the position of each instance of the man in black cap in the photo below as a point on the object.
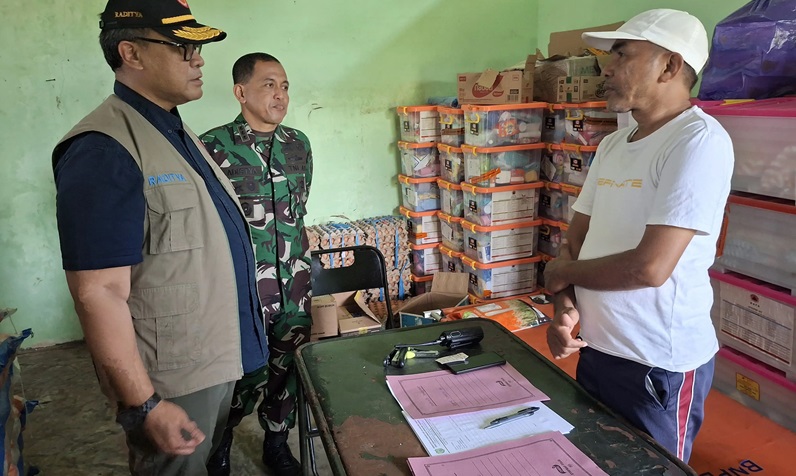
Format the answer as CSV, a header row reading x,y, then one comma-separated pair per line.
x,y
155,245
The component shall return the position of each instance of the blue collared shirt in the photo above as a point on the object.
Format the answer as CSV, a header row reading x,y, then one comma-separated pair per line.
x,y
101,207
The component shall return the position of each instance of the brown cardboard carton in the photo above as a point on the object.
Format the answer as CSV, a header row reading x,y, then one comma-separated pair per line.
x,y
354,317
324,317
511,86
566,59
447,290
570,42
575,89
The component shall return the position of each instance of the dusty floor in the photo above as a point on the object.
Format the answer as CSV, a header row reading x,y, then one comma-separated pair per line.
x,y
73,433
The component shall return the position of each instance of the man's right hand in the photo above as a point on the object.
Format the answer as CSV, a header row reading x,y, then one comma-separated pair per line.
x,y
559,333
171,430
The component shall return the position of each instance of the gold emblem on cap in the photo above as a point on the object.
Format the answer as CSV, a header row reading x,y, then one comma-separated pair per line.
x,y
179,19
196,34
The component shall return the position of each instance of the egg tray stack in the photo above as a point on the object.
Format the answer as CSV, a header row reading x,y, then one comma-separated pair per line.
x,y
388,234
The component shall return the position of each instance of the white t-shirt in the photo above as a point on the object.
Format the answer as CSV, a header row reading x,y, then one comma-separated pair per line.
x,y
678,176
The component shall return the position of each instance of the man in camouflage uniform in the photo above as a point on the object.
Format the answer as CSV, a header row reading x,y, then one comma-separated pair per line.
x,y
270,166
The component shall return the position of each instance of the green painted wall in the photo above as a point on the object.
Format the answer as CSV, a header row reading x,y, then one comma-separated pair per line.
x,y
349,64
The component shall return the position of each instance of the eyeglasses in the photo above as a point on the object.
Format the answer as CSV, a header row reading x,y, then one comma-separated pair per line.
x,y
188,49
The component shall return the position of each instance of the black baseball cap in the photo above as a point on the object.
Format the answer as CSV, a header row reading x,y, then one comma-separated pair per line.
x,y
170,18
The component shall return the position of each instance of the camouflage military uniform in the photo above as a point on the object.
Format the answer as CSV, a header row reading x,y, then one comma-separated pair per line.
x,y
271,174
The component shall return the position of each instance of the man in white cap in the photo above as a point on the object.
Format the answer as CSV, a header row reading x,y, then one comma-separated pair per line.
x,y
633,268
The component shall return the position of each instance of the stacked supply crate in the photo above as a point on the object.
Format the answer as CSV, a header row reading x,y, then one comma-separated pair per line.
x,y
420,170
572,133
388,234
502,155
754,280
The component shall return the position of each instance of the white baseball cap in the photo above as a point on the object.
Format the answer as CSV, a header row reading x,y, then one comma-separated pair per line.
x,y
677,31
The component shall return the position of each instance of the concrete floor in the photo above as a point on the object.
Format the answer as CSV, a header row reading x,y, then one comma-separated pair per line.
x,y
73,433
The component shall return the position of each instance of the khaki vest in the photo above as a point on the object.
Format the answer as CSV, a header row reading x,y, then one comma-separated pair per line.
x,y
183,296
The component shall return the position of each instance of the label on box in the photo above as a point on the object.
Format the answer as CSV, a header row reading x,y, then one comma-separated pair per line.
x,y
544,200
747,386
760,322
514,95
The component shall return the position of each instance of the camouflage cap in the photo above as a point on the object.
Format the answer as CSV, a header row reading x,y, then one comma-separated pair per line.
x,y
170,18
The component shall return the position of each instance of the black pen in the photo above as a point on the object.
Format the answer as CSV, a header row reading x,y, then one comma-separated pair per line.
x,y
522,413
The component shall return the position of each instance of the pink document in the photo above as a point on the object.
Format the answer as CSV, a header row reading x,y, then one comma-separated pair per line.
x,y
548,454
442,393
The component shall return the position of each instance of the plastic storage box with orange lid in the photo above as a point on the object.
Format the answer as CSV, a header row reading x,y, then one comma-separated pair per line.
x,y
419,159
550,237
419,194
577,163
553,158
451,161
451,126
418,123
451,231
756,318
571,193
502,278
488,244
554,127
451,198
507,165
490,206
588,123
423,227
421,284
505,124
425,259
551,202
762,134
759,240
451,259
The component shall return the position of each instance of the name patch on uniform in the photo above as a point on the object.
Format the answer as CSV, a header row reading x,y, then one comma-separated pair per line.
x,y
165,178
243,171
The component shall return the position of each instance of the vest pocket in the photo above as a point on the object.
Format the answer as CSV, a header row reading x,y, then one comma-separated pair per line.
x,y
174,223
167,329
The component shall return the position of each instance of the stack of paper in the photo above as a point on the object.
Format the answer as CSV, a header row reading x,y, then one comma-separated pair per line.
x,y
449,412
546,454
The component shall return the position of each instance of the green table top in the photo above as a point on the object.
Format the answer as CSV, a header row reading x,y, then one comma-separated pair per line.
x,y
364,432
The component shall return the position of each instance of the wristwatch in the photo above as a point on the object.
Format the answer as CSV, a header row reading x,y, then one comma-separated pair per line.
x,y
132,417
